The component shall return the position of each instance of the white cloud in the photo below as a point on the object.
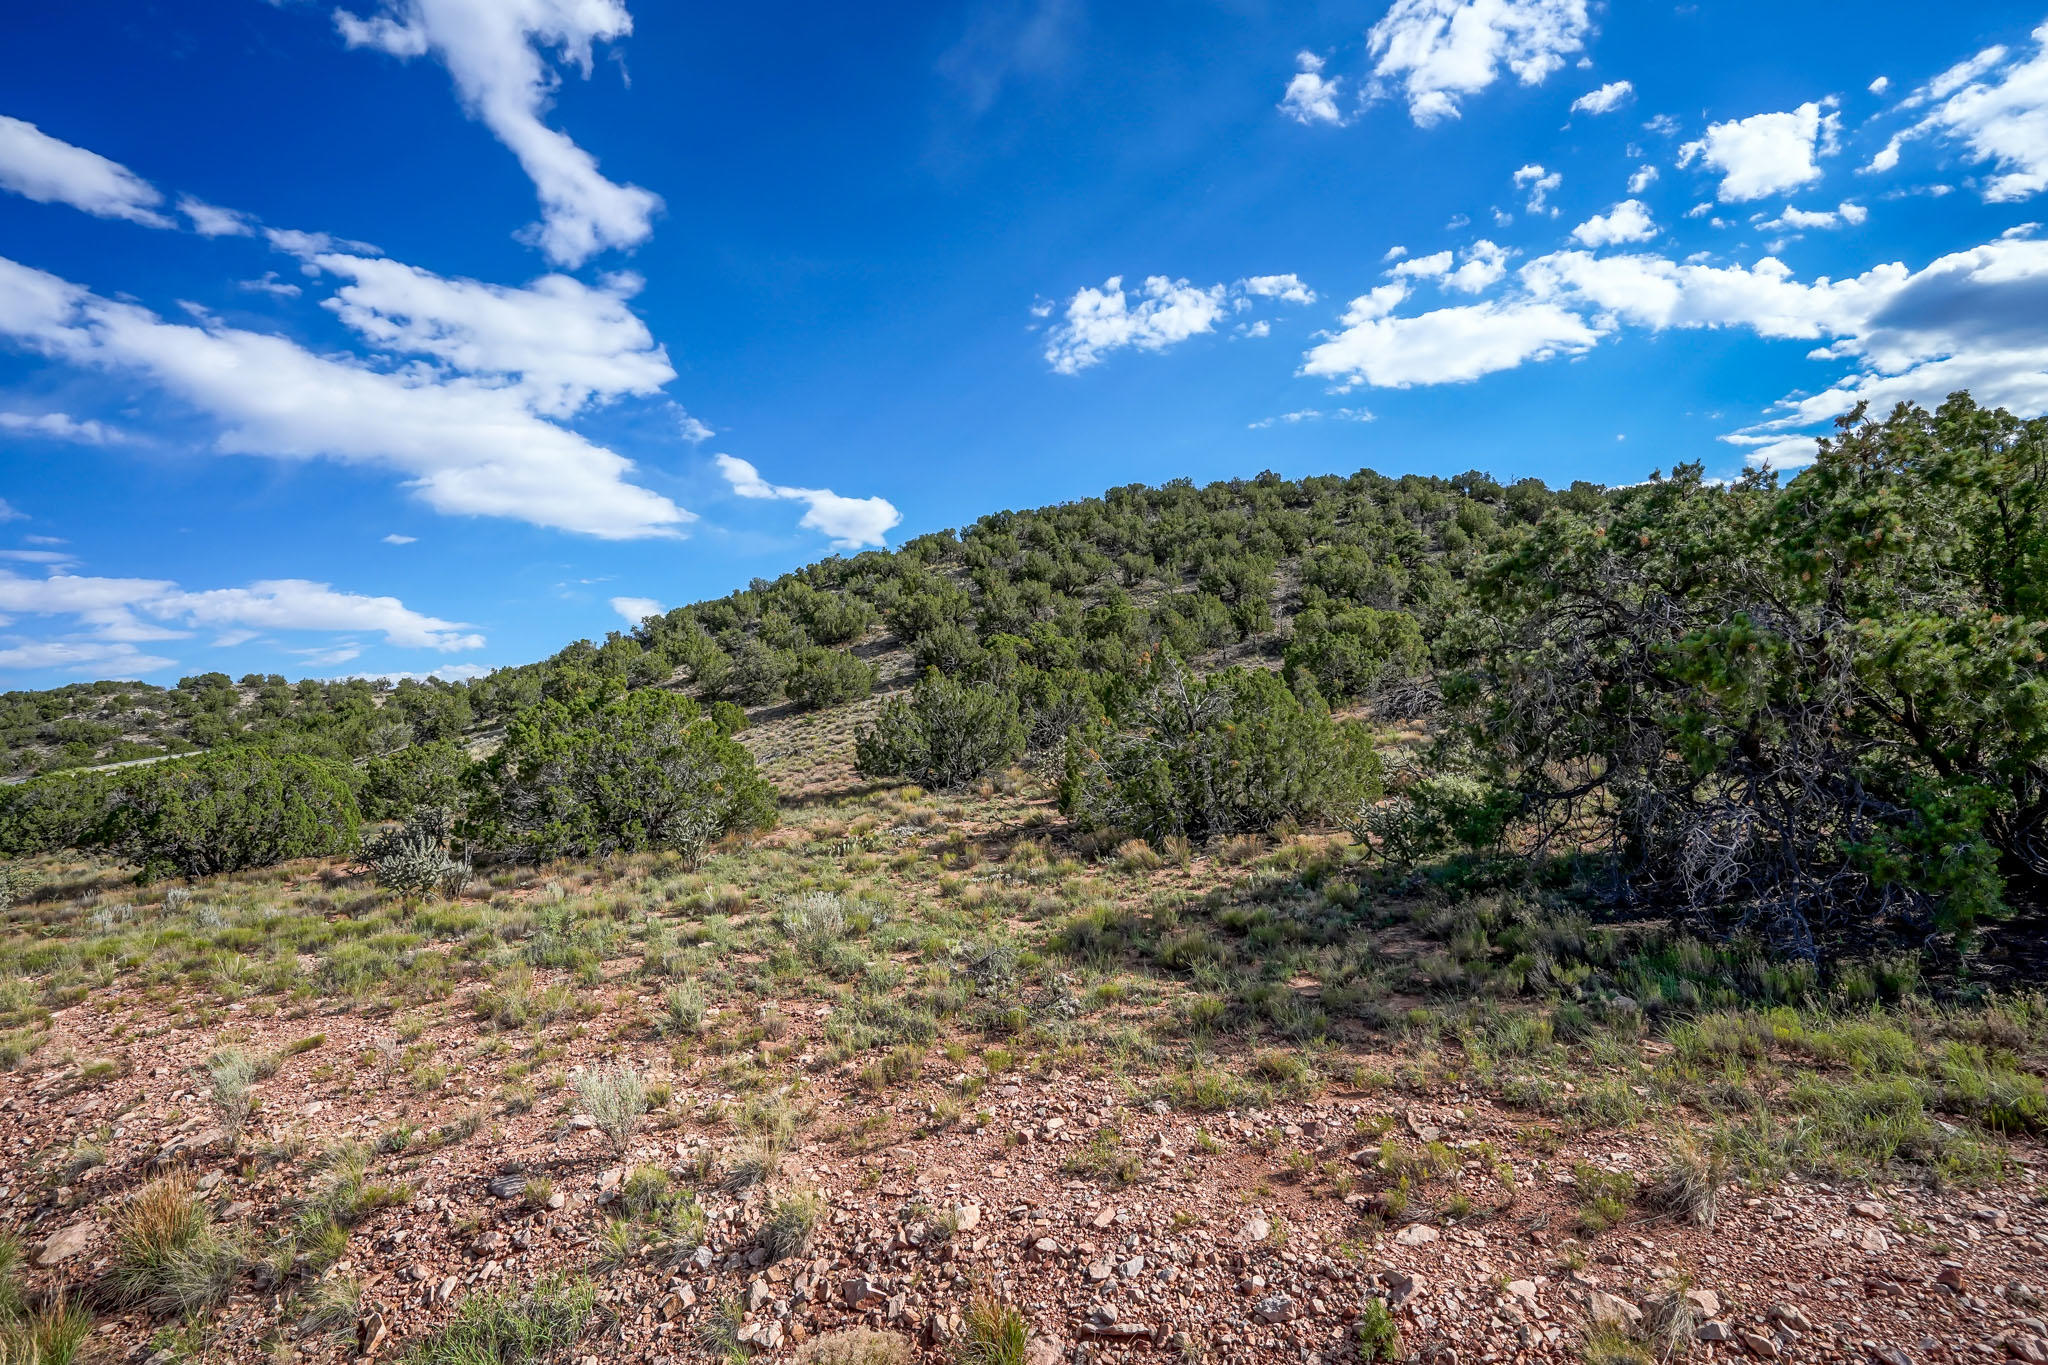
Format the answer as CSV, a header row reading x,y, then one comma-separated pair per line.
x,y
298,604
396,539
1628,221
97,659
9,512
1816,220
1098,321
325,657
693,431
1431,267
1539,183
1310,97
637,609
852,523
1446,346
51,171
210,220
1485,264
1314,415
2003,121
270,284
1887,157
1439,51
1644,177
1286,288
1766,154
108,616
1605,100
1880,85
561,342
466,446
494,53
59,426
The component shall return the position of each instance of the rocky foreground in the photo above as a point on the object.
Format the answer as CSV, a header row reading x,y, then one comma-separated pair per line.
x,y
1121,1228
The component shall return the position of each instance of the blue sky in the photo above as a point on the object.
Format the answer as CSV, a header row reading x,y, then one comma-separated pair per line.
x,y
429,335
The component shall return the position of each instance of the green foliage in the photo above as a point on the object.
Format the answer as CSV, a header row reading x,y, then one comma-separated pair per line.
x,y
755,674
1355,651
417,777
51,813
1819,710
1378,1334
945,734
829,677
510,1327
1232,753
16,884
232,809
647,770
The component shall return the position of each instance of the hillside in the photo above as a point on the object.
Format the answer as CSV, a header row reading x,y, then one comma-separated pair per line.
x,y
1534,926
1217,572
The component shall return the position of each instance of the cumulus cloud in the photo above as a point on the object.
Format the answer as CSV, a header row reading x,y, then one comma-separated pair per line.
x,y
852,523
1605,100
107,617
1997,109
1098,321
1628,221
1816,220
1433,266
495,54
560,342
1644,177
51,171
1539,183
1968,320
1445,346
465,445
58,426
1483,267
634,610
1437,52
1766,154
1310,96
1286,288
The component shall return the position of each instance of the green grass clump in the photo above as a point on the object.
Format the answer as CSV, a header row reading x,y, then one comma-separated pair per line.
x,y
168,1256
996,1334
510,1328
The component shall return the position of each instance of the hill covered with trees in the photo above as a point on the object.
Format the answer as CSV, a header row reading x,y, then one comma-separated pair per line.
x,y
1810,709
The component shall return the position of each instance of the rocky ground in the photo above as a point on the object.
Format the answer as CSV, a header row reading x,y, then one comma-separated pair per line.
x,y
1229,1236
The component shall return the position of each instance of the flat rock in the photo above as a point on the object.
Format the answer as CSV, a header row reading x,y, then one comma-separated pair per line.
x,y
66,1243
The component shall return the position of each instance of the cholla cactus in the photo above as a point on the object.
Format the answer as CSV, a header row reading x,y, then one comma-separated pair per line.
x,y
414,860
16,882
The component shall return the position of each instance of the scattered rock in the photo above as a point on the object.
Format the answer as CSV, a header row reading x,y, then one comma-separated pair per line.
x,y
65,1243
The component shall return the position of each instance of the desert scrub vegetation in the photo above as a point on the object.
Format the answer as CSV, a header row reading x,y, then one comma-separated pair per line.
x,y
511,1327
616,1100
32,1333
168,1256
648,770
